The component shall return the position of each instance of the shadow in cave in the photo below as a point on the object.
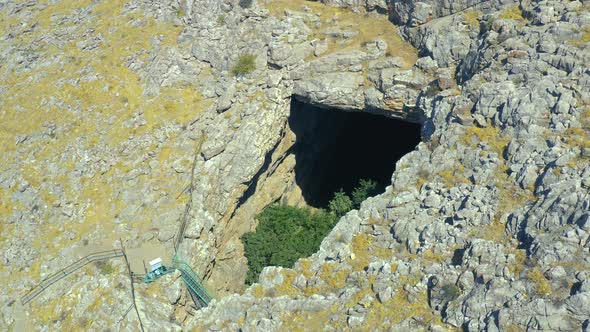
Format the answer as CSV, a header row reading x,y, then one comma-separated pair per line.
x,y
335,149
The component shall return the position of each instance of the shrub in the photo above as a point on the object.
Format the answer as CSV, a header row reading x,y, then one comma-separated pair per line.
x,y
450,292
364,190
246,3
245,64
104,267
284,234
221,19
340,204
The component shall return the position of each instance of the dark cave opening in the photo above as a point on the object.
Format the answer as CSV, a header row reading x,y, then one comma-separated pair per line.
x,y
335,149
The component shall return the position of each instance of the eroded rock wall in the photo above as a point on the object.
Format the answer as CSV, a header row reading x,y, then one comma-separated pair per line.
x,y
484,226
144,125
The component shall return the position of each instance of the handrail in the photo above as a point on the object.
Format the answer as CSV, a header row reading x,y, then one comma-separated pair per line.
x,y
192,279
194,290
57,276
199,285
191,187
179,262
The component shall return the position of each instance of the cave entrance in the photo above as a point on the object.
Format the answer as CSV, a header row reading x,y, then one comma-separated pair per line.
x,y
335,149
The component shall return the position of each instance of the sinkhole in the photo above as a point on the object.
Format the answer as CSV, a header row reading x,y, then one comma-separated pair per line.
x,y
335,149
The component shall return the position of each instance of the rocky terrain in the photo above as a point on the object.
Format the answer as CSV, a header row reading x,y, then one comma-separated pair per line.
x,y
120,119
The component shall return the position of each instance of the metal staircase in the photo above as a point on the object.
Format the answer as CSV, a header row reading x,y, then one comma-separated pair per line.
x,y
200,295
194,283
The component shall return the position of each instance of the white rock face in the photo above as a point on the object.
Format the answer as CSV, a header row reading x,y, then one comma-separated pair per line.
x,y
124,130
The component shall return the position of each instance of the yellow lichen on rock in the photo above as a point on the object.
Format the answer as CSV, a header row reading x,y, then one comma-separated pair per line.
x,y
398,308
287,287
257,291
334,275
361,244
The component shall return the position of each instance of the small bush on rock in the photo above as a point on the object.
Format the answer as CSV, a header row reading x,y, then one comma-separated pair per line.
x,y
104,268
450,292
246,3
246,64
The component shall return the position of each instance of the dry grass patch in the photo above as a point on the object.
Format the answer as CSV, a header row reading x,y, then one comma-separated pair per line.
x,y
334,275
519,260
368,26
472,17
495,232
491,135
584,40
432,257
307,321
453,176
542,286
512,13
395,310
510,194
578,137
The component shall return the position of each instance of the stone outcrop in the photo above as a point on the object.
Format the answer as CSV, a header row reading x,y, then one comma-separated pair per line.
x,y
485,226
469,230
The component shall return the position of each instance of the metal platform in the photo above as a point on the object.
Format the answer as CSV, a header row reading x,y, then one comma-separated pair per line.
x,y
200,295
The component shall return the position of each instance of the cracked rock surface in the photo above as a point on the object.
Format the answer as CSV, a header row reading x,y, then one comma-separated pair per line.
x,y
121,118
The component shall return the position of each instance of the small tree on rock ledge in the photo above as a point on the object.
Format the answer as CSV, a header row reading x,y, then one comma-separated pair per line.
x,y
340,204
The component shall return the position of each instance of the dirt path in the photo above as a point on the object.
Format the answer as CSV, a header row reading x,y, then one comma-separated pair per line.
x,y
22,323
146,253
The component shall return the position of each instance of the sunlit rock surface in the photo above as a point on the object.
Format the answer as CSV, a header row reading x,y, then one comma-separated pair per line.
x,y
119,119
